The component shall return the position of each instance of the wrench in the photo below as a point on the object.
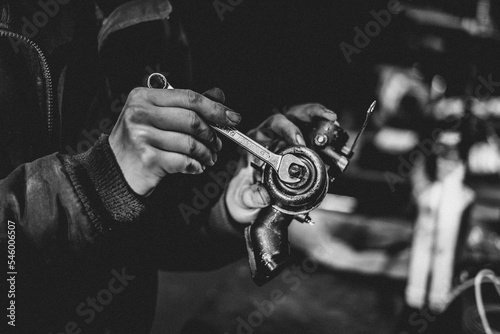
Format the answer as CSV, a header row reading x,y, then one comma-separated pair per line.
x,y
285,165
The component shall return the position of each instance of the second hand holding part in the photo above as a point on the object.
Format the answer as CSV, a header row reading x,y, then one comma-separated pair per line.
x,y
288,166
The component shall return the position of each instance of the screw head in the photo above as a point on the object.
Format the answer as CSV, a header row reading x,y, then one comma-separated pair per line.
x,y
296,171
320,140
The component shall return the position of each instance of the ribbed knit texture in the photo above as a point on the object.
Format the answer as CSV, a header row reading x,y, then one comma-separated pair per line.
x,y
101,186
4,15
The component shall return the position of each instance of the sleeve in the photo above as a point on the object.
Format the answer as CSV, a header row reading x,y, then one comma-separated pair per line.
x,y
78,199
187,220
68,199
65,224
101,188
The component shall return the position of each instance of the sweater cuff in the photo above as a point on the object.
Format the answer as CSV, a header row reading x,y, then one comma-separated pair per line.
x,y
222,224
101,185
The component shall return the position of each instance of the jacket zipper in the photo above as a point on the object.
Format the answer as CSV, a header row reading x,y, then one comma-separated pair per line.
x,y
45,73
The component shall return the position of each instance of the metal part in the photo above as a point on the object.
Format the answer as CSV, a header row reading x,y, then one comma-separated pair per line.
x,y
267,238
158,81
296,171
365,123
342,163
304,219
267,244
329,140
320,140
280,163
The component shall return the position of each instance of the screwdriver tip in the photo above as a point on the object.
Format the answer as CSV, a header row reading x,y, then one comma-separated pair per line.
x,y
372,107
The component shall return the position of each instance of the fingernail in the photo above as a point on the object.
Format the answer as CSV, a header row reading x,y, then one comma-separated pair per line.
x,y
203,167
233,116
214,159
218,144
299,140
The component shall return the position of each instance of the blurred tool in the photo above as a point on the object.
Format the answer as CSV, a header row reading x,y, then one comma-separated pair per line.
x,y
479,27
441,206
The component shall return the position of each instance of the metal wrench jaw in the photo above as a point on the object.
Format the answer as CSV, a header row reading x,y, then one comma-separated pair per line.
x,y
291,169
287,166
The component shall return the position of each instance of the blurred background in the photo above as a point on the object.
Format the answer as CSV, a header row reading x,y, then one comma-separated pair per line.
x,y
402,234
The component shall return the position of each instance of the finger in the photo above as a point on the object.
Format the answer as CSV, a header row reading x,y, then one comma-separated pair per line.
x,y
173,163
210,110
307,112
185,121
255,197
279,145
182,143
284,128
262,134
215,94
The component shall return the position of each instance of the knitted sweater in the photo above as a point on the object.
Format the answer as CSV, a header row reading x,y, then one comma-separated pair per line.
x,y
87,248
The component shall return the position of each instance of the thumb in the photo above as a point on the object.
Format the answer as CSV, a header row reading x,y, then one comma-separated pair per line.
x,y
255,196
215,94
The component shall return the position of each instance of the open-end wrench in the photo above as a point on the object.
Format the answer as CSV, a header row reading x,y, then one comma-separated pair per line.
x,y
289,167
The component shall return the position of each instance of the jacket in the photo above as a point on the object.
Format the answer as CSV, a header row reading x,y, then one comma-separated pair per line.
x,y
86,248
82,250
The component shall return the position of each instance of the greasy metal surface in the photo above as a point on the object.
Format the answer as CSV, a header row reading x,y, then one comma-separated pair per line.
x,y
320,140
333,140
305,195
267,237
267,244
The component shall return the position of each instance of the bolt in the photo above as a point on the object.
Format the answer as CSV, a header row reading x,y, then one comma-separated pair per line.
x,y
296,171
320,140
304,219
308,220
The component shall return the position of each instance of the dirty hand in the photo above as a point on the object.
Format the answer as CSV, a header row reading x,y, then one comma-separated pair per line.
x,y
162,132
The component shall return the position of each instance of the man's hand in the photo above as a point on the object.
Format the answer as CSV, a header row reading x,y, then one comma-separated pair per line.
x,y
162,132
245,196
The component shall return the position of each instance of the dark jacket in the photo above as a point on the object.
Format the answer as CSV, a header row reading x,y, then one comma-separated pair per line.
x,y
82,250
87,250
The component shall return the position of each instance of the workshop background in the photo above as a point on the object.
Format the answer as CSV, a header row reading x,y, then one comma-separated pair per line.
x,y
422,193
